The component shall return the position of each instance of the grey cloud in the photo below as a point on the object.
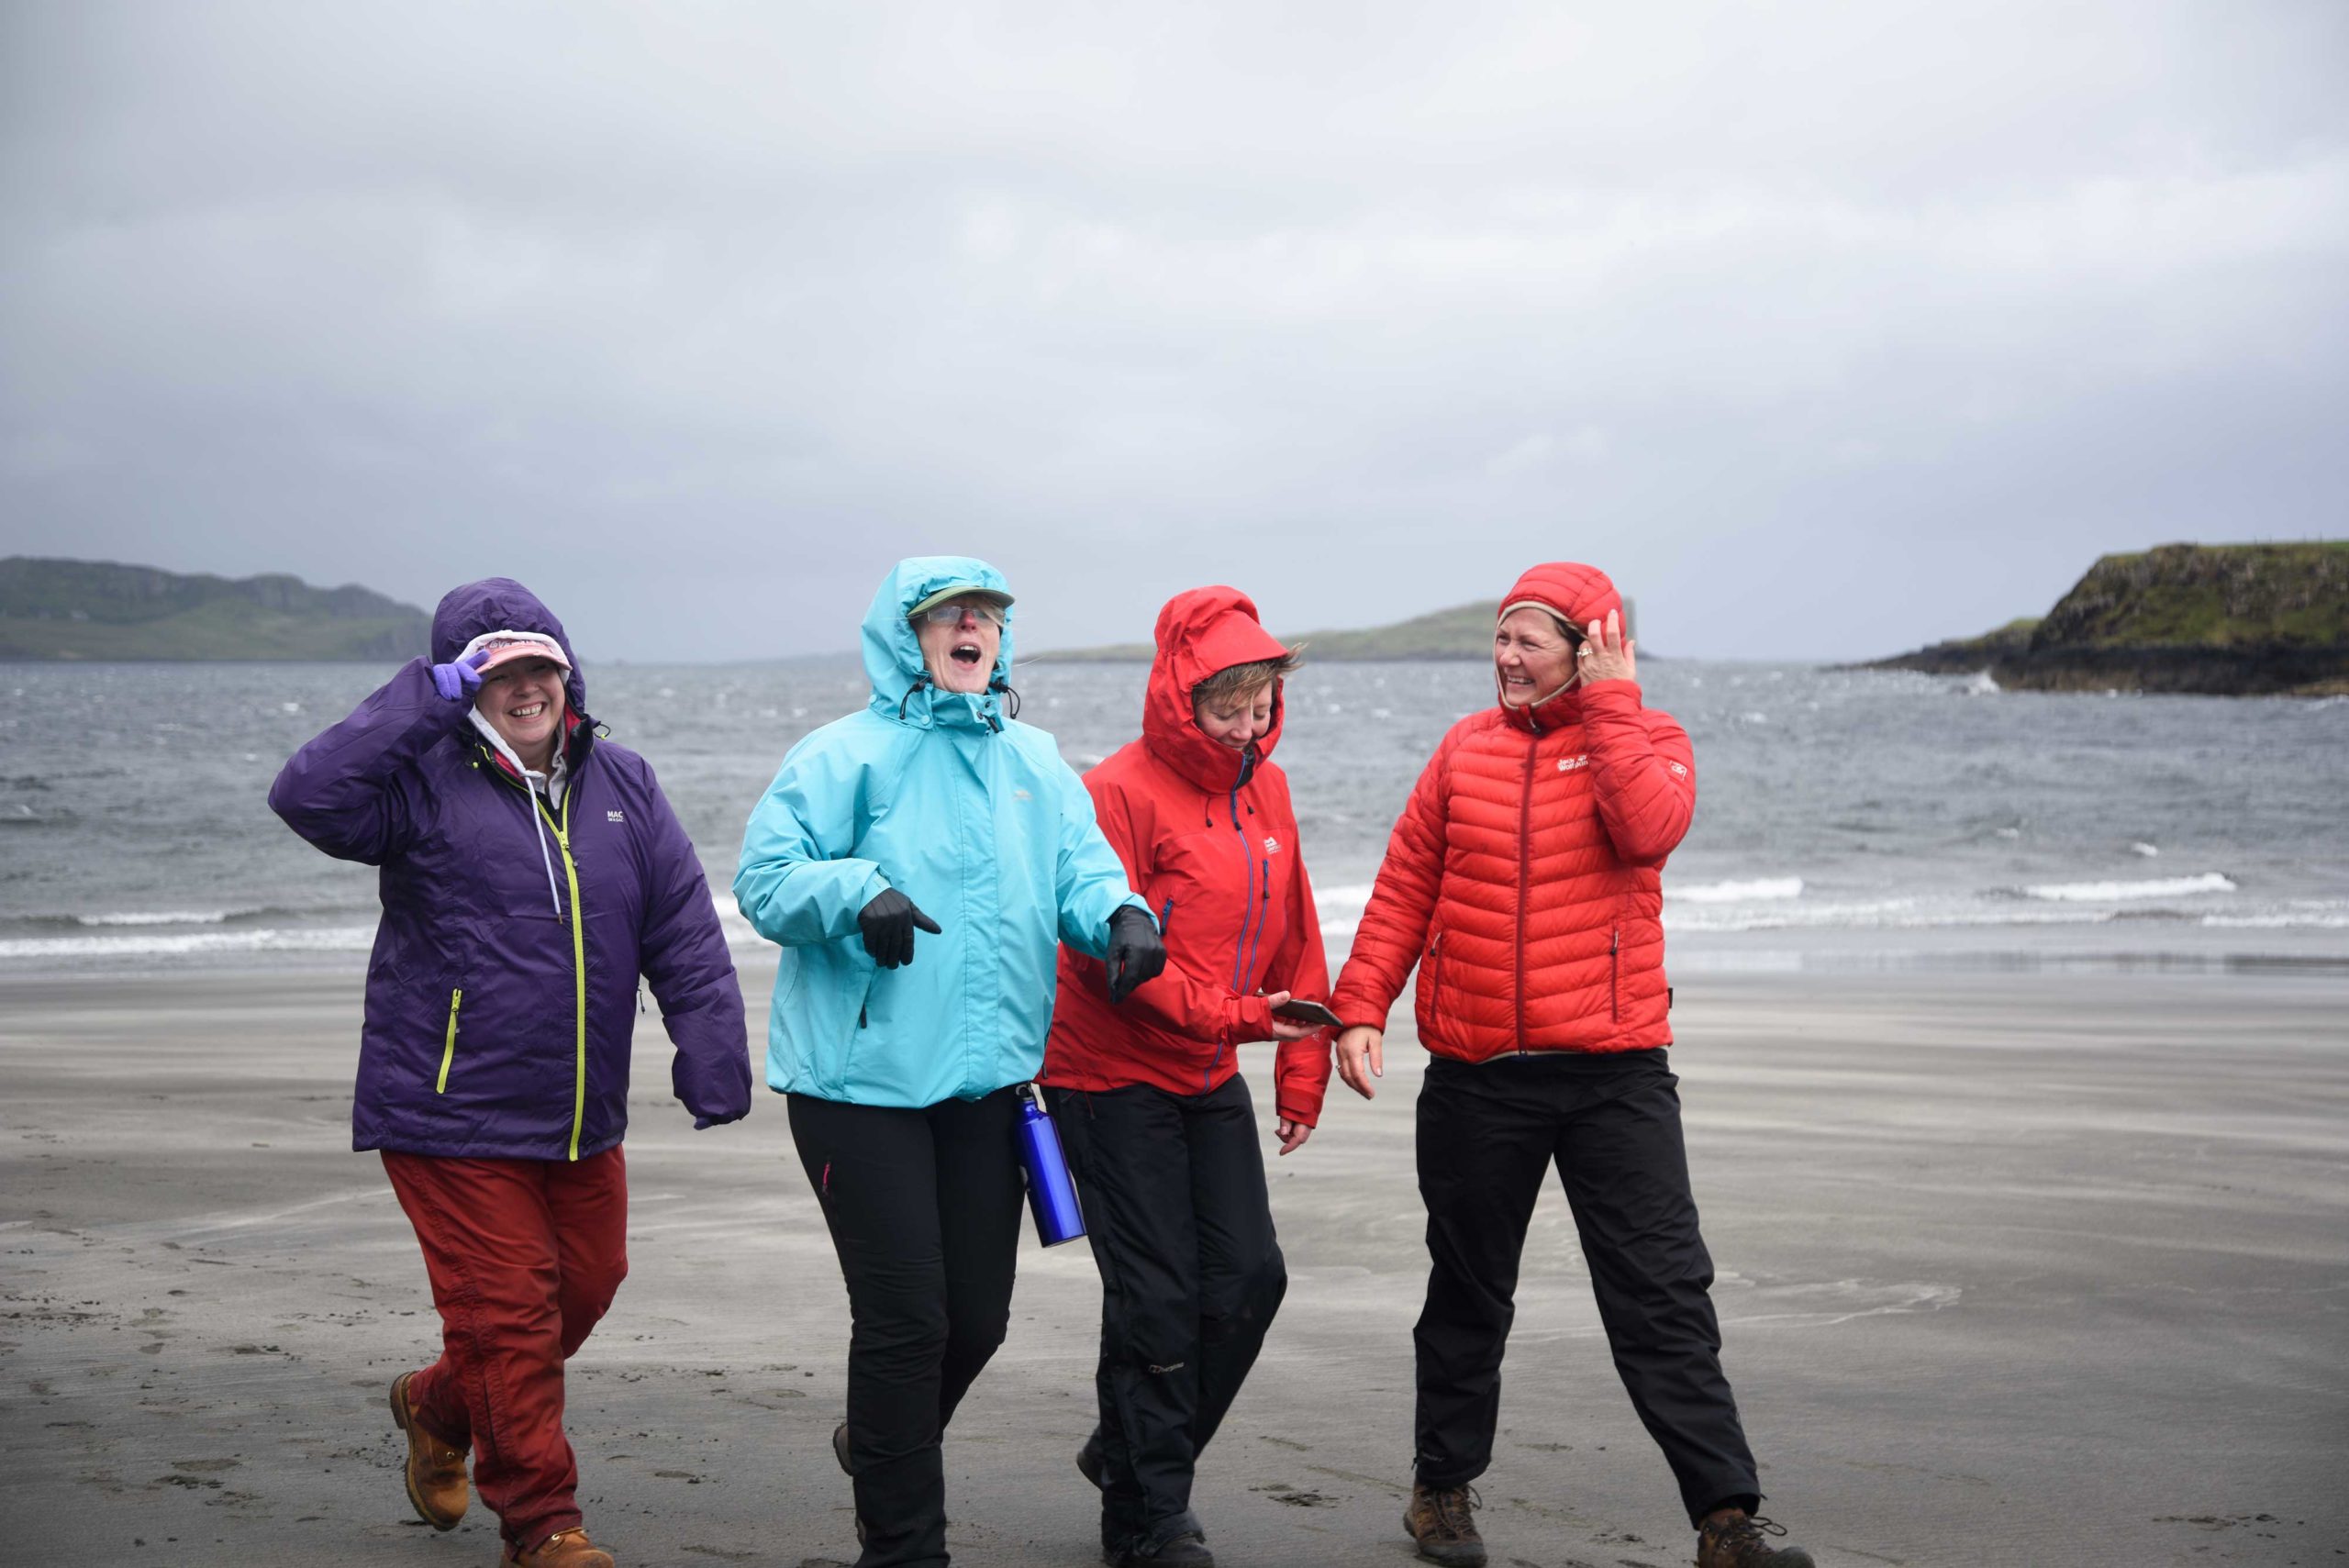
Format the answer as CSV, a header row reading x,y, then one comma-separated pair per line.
x,y
1826,331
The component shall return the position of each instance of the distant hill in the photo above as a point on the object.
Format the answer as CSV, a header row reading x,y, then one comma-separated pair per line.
x,y
1463,631
2231,619
100,609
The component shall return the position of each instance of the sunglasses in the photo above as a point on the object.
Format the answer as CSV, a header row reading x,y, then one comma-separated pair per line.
x,y
951,615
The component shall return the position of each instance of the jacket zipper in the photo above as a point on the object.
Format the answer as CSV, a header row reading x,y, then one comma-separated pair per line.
x,y
449,1045
1263,912
578,944
1524,874
1615,975
1248,895
578,963
1248,958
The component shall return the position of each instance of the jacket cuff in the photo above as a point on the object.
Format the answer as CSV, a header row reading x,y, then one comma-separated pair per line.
x,y
1252,1019
1287,1111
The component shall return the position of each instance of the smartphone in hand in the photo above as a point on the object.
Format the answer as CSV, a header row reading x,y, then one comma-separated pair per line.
x,y
1297,1010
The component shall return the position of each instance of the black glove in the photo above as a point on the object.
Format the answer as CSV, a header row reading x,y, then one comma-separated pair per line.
x,y
888,925
1135,952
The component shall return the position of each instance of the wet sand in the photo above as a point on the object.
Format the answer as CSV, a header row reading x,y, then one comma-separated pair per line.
x,y
2031,1270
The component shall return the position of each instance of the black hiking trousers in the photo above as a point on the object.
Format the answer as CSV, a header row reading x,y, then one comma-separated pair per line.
x,y
924,1209
1488,1134
1191,1275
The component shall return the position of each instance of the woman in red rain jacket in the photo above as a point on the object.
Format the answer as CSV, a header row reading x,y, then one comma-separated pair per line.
x,y
1524,881
1159,1126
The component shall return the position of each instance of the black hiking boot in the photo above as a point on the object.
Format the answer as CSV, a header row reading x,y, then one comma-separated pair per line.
x,y
1089,1459
1731,1538
839,1452
1186,1549
1438,1519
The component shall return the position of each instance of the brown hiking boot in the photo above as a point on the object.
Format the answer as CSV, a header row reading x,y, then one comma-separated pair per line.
x,y
1438,1519
435,1472
1731,1537
563,1548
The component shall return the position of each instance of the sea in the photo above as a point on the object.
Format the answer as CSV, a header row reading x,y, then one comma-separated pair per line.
x,y
1867,819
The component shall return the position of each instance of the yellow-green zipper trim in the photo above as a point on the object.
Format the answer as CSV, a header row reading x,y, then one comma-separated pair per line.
x,y
449,1046
578,963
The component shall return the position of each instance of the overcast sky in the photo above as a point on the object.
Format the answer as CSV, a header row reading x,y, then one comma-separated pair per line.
x,y
1829,329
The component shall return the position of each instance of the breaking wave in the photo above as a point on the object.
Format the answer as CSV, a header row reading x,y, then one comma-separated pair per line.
x,y
1758,890
319,938
2115,892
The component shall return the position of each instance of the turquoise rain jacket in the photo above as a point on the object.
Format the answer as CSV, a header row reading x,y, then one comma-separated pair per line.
x,y
968,813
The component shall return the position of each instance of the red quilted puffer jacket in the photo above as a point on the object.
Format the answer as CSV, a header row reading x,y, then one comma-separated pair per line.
x,y
1522,875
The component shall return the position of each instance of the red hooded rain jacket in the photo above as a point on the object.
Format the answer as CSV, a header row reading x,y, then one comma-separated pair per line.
x,y
1208,837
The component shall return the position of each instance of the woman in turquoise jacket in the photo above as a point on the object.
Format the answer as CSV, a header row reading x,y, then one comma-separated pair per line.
x,y
931,810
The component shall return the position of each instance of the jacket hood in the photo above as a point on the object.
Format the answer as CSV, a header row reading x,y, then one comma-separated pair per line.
x,y
901,686
500,603
1582,594
1200,632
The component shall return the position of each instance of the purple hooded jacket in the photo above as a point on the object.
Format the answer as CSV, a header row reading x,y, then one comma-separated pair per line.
x,y
498,1027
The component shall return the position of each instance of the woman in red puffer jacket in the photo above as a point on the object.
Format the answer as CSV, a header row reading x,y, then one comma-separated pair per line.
x,y
1160,1127
1524,881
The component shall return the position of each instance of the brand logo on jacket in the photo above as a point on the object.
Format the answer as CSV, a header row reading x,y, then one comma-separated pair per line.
x,y
615,816
1679,768
1022,794
1272,845
1568,764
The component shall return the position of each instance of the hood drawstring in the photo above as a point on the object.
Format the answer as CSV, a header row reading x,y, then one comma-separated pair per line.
x,y
920,682
530,783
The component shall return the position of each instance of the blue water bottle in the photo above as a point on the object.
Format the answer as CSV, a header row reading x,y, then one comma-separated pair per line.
x,y
1052,1195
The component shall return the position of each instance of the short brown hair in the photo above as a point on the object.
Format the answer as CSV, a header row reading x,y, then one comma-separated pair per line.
x,y
1240,678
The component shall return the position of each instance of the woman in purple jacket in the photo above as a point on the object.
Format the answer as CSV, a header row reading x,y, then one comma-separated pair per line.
x,y
530,874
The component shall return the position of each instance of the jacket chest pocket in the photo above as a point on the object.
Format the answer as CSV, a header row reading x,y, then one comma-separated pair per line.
x,y
1204,876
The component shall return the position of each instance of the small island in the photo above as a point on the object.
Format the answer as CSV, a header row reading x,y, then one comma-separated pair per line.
x,y
2222,620
1463,632
60,609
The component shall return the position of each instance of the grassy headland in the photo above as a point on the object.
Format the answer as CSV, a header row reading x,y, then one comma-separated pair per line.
x,y
2231,619
58,609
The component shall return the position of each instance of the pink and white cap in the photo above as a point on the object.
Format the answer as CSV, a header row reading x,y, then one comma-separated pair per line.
x,y
505,646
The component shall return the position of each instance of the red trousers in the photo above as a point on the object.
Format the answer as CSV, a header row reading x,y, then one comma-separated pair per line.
x,y
524,1256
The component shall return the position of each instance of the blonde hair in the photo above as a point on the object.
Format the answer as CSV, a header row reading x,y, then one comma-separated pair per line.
x,y
1239,678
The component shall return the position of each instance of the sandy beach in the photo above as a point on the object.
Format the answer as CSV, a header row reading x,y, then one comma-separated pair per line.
x,y
2015,1268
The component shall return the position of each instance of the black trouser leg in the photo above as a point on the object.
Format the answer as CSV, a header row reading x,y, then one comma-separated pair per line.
x,y
1131,1162
1482,1152
1191,1275
923,1208
1626,1175
1242,1274
981,1196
